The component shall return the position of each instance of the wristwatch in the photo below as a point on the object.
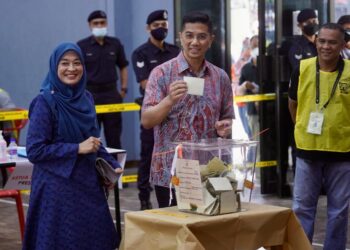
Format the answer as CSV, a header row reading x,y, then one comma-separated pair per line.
x,y
125,90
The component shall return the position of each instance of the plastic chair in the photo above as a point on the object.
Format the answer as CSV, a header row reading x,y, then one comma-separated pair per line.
x,y
15,194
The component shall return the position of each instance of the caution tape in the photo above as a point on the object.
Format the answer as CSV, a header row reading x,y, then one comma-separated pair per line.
x,y
11,115
121,107
259,164
255,98
129,178
263,164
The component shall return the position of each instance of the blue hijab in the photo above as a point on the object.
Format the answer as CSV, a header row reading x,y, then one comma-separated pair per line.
x,y
70,104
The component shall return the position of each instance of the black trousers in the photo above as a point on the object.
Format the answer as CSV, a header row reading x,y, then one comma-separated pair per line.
x,y
143,184
112,122
163,196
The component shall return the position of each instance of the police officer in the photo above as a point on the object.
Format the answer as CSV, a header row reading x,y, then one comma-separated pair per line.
x,y
102,55
304,46
146,57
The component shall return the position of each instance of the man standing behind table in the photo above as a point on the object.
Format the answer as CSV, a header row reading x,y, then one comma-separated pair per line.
x,y
319,100
177,115
102,54
144,59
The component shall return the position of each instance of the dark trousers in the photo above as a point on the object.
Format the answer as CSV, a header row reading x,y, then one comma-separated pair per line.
x,y
112,122
163,196
143,184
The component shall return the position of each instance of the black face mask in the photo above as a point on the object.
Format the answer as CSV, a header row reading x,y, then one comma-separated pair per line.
x,y
159,34
310,29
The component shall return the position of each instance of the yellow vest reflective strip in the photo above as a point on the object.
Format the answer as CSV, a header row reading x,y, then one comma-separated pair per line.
x,y
255,98
336,125
10,115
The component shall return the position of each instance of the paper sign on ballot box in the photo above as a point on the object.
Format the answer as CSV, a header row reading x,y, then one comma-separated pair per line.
x,y
21,178
190,186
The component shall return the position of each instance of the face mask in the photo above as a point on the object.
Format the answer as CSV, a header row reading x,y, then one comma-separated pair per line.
x,y
310,29
99,32
159,34
254,53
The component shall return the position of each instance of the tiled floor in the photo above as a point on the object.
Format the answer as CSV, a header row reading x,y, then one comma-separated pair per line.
x,y
9,228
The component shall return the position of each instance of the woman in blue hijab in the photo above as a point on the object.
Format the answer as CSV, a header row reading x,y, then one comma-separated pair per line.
x,y
67,208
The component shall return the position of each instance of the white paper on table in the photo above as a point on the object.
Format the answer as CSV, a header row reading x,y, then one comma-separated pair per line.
x,y
195,85
21,177
190,184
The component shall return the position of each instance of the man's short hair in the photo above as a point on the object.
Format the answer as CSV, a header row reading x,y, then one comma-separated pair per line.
x,y
333,26
197,17
305,15
97,14
344,20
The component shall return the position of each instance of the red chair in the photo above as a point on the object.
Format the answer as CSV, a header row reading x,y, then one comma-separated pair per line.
x,y
15,194
15,128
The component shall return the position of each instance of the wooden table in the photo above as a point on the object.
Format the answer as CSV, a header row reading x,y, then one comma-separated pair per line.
x,y
266,226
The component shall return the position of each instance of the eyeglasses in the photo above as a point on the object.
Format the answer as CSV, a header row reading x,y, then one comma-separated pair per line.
x,y
200,37
66,64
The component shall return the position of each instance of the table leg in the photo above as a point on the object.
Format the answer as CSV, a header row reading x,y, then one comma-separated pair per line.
x,y
117,211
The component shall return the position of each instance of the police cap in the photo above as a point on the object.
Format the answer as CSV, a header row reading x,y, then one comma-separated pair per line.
x,y
97,14
306,14
157,15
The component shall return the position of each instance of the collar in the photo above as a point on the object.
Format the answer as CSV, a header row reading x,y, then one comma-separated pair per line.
x,y
183,65
93,40
156,49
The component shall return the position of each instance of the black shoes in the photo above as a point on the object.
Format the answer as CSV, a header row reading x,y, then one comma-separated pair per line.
x,y
145,205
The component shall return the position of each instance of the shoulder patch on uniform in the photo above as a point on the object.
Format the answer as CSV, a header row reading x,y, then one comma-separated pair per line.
x,y
298,57
140,64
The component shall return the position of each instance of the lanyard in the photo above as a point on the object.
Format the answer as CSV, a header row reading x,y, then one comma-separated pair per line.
x,y
340,67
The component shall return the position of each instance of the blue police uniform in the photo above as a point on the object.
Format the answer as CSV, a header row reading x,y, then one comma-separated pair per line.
x,y
101,62
301,48
144,59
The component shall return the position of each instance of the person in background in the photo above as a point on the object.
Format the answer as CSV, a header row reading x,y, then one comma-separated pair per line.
x,y
102,55
5,104
344,21
67,207
247,84
177,115
304,46
319,100
144,59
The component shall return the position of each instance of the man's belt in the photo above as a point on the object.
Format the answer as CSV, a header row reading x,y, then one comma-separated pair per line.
x,y
99,88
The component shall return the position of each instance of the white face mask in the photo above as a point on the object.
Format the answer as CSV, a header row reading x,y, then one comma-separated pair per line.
x,y
99,32
254,53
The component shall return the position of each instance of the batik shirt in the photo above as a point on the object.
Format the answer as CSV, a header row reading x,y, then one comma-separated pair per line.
x,y
192,118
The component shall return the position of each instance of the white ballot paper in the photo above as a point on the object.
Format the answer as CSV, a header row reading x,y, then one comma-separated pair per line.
x,y
195,85
190,185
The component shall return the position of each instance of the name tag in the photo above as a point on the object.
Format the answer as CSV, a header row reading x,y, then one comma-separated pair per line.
x,y
315,123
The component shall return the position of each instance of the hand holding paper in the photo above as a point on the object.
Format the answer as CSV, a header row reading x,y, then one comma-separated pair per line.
x,y
176,90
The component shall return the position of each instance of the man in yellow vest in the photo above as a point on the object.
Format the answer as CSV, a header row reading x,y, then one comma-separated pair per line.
x,y
319,103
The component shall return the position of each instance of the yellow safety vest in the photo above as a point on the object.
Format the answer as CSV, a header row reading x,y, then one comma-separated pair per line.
x,y
335,136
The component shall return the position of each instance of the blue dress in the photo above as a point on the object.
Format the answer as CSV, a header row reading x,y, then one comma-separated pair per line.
x,y
67,208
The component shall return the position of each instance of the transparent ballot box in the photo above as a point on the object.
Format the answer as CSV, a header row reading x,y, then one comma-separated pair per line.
x,y
213,176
